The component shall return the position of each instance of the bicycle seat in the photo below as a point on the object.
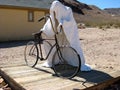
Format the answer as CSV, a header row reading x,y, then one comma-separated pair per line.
x,y
37,33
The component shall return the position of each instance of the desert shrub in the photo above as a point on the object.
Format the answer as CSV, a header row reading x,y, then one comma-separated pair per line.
x,y
103,25
100,27
88,24
108,26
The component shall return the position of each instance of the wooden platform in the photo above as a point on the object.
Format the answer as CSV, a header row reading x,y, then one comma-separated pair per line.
x,y
26,78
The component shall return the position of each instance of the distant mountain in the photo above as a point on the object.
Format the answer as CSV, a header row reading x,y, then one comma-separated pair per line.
x,y
90,14
76,6
113,11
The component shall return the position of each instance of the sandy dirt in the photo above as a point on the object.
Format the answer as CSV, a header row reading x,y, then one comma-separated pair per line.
x,y
101,49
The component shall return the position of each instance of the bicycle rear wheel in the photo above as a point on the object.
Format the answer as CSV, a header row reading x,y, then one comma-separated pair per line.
x,y
66,62
31,54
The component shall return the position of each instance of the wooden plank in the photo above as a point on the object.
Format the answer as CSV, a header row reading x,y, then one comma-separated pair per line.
x,y
22,70
40,78
12,83
51,84
104,84
25,73
103,81
20,63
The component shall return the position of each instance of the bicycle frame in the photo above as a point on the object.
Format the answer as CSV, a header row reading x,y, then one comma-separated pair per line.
x,y
40,40
35,49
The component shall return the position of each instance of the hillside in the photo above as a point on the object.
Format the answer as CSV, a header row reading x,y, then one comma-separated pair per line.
x,y
90,14
113,11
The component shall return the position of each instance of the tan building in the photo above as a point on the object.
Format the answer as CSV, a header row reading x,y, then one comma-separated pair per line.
x,y
19,18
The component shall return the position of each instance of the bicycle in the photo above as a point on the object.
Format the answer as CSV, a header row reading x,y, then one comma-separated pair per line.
x,y
60,62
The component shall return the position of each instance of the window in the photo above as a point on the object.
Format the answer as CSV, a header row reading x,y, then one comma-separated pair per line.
x,y
31,16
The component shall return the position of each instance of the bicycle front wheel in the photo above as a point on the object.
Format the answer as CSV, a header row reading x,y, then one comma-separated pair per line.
x,y
66,62
31,54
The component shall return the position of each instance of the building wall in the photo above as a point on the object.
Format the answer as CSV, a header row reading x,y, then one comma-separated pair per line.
x,y
14,24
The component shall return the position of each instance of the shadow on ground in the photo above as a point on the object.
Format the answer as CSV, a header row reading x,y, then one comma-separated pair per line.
x,y
12,44
93,77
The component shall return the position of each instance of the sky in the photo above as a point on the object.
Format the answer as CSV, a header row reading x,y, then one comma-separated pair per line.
x,y
103,3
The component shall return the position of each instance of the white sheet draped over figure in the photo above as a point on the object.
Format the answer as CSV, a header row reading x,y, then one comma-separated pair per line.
x,y
65,18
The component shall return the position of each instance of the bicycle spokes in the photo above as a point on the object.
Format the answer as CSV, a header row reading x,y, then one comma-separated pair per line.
x,y
66,62
31,54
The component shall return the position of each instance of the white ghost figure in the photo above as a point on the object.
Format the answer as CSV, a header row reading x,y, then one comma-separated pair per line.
x,y
65,18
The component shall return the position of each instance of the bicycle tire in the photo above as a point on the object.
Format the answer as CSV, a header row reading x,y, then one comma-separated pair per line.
x,y
31,54
63,69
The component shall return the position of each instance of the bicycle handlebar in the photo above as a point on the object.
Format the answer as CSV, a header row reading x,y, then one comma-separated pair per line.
x,y
43,18
48,16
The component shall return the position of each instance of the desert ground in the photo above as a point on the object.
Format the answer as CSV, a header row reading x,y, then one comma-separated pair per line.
x,y
101,49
